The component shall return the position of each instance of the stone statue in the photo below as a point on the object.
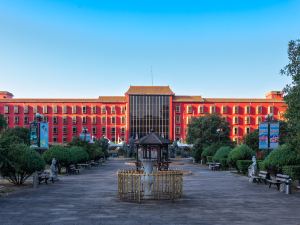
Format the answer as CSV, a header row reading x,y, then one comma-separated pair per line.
x,y
53,170
252,169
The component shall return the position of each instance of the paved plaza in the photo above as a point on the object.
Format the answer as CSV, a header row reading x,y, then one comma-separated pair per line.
x,y
209,198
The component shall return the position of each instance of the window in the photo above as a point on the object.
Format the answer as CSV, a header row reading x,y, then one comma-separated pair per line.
x,y
65,120
122,130
54,139
236,109
103,120
16,109
236,139
6,119
26,120
74,119
247,109
16,120
247,120
103,130
54,130
74,130
123,120
94,130
113,109
103,109
113,130
65,130
235,120
45,109
235,131
45,119
64,139
224,109
212,109
94,120
188,120
54,120
258,120
177,118
271,109
189,109
54,109
84,120
247,130
123,109
177,108
259,109
94,109
35,109
26,109
84,109
177,130
6,109
201,109
113,120
74,109
65,109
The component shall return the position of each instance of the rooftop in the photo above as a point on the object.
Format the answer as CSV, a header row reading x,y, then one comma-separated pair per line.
x,y
149,90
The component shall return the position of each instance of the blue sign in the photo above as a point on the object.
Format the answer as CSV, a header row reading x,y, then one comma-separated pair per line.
x,y
263,136
85,137
44,135
34,135
274,135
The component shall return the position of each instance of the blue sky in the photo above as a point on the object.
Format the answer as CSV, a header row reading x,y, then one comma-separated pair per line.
x,y
87,48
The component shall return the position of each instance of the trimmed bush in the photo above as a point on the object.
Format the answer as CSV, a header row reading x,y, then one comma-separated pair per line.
x,y
221,155
19,162
209,151
282,156
242,165
78,155
60,153
209,158
260,165
292,171
241,152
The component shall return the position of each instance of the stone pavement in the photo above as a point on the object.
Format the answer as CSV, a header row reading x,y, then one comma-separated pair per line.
x,y
209,198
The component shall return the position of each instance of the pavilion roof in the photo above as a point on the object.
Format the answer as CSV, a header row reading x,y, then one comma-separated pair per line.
x,y
153,139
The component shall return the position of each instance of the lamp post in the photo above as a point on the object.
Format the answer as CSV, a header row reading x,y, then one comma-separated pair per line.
x,y
219,132
269,119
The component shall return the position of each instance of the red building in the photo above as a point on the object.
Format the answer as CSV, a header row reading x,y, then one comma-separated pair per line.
x,y
142,109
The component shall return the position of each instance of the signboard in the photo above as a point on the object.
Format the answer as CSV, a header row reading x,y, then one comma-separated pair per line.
x,y
274,135
44,135
86,138
263,136
34,139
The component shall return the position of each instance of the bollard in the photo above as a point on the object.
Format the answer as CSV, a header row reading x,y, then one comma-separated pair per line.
x,y
288,185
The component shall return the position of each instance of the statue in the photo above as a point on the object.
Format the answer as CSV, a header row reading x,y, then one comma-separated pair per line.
x,y
53,170
252,169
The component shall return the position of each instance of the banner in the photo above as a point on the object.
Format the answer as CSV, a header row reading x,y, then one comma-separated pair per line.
x,y
274,135
44,135
263,136
34,135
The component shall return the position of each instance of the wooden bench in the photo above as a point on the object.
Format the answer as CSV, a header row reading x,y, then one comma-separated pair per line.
x,y
263,176
279,179
43,176
73,170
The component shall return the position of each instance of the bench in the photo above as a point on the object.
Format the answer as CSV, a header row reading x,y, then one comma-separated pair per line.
x,y
73,170
214,166
44,176
262,176
279,179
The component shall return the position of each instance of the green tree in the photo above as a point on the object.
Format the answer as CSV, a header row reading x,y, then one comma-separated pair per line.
x,y
207,130
17,135
3,124
292,93
252,140
241,152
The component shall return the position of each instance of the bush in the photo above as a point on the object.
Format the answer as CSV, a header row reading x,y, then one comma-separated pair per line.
x,y
242,165
19,162
260,165
209,151
209,158
221,155
197,150
78,155
60,153
241,152
282,156
292,171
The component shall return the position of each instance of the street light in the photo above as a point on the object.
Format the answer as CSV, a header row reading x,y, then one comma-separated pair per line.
x,y
219,131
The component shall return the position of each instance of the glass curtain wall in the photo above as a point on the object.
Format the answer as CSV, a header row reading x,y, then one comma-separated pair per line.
x,y
149,112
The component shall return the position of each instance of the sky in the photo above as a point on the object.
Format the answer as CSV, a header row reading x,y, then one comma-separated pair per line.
x,y
89,48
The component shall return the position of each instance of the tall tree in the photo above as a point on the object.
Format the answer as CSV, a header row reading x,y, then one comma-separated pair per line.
x,y
292,93
3,123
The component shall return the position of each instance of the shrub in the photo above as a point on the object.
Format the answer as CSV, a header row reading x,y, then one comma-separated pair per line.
x,y
260,165
241,152
19,162
221,155
242,165
78,155
282,156
209,151
209,158
292,171
197,150
60,153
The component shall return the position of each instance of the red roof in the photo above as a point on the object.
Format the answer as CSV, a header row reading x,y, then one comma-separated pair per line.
x,y
149,90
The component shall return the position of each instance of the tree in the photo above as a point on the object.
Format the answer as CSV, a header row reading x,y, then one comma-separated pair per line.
x,y
252,140
17,135
3,124
292,93
241,152
207,130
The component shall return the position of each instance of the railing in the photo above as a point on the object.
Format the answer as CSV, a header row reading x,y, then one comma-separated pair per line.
x,y
163,185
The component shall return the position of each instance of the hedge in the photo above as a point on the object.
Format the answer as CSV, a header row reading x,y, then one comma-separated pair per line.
x,y
241,152
242,165
292,171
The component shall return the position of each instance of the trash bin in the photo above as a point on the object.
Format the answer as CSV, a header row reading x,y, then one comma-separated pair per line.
x,y
288,187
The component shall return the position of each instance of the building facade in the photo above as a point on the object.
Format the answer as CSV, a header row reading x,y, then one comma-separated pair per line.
x,y
140,110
